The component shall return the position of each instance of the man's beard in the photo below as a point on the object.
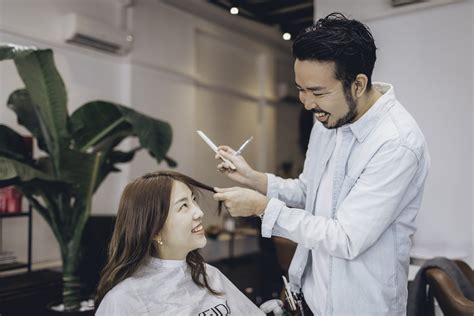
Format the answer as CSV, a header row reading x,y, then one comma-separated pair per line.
x,y
350,116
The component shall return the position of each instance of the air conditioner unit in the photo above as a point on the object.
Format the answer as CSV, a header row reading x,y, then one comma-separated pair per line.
x,y
91,33
396,3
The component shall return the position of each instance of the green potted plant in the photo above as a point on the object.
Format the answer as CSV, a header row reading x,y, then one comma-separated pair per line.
x,y
78,152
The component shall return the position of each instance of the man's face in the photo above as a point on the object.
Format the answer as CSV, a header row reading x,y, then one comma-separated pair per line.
x,y
321,93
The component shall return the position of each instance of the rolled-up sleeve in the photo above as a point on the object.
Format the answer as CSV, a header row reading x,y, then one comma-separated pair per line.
x,y
370,207
291,191
272,212
282,193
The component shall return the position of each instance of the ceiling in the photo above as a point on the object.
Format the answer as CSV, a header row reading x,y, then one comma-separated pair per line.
x,y
289,15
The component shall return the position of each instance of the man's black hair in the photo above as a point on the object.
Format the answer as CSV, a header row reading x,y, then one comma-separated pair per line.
x,y
335,38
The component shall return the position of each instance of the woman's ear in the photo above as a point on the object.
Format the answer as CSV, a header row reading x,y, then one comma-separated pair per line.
x,y
360,85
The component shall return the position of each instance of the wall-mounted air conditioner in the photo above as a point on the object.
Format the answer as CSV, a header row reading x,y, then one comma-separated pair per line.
x,y
396,3
91,33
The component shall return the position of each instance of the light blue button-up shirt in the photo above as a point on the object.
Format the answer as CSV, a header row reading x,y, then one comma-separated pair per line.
x,y
378,182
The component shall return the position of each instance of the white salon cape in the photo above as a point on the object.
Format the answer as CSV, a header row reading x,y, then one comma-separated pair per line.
x,y
165,287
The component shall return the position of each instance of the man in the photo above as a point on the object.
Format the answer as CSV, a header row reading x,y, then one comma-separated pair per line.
x,y
352,210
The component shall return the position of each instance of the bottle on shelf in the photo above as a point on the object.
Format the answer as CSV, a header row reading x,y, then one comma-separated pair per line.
x,y
10,200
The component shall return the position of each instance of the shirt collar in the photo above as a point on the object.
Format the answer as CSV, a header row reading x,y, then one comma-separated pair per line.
x,y
157,262
365,124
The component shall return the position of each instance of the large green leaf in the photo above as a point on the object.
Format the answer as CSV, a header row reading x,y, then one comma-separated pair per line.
x,y
20,102
47,92
13,145
84,169
11,169
94,121
171,162
100,125
10,51
99,121
154,135
78,170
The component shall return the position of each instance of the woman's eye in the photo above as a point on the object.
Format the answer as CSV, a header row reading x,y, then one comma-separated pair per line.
x,y
318,94
183,206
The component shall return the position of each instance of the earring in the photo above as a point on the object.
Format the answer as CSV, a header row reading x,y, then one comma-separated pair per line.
x,y
159,241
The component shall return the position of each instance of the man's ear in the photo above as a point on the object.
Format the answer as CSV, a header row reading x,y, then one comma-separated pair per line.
x,y
360,85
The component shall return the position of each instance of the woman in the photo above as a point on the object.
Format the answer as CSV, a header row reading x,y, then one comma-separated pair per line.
x,y
154,267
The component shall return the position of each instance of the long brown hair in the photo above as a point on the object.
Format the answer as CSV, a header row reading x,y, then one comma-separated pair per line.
x,y
142,213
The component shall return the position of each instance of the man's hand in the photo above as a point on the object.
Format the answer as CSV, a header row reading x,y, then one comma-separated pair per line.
x,y
241,202
243,174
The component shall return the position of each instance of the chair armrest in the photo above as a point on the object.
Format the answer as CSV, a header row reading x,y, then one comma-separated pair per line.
x,y
466,269
449,297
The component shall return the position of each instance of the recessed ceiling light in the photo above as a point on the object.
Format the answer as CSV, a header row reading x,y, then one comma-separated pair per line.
x,y
286,36
234,10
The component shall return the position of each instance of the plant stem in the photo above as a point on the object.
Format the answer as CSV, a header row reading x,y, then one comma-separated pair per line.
x,y
71,284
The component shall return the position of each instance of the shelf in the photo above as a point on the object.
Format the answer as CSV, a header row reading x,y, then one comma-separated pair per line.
x,y
18,214
18,265
12,266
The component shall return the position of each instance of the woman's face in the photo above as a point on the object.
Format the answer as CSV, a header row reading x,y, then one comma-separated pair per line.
x,y
183,231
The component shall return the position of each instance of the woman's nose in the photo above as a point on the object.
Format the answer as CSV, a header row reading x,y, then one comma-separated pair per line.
x,y
198,213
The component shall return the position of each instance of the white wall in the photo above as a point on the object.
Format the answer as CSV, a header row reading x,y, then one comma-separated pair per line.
x,y
472,142
184,70
201,76
428,56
